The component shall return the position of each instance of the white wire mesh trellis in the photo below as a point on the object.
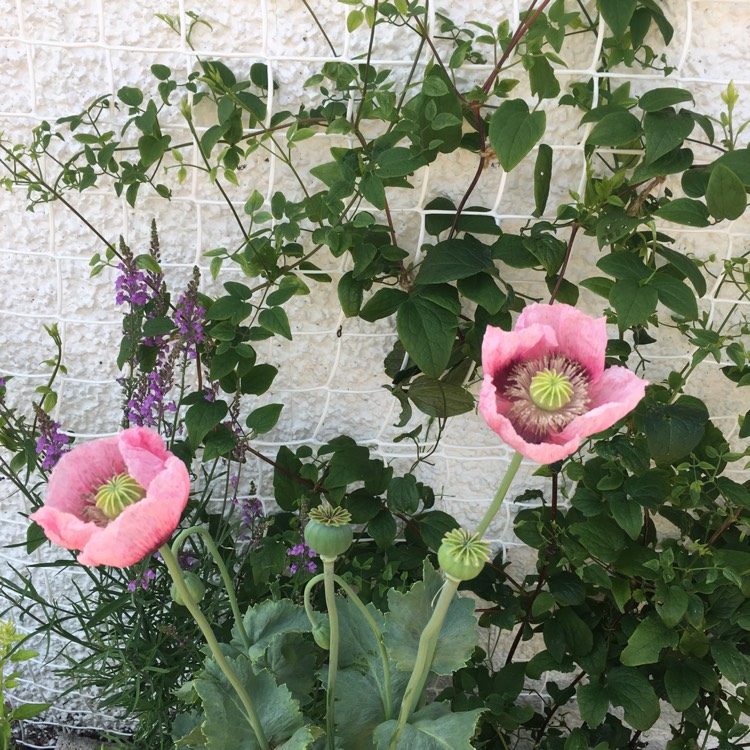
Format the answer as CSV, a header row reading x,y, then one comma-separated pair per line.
x,y
59,55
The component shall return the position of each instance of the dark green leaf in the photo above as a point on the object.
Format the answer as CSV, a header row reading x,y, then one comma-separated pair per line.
x,y
383,529
264,418
371,187
151,149
656,99
131,96
665,130
403,495
623,264
514,131
35,537
438,399
482,289
601,536
434,525
725,194
685,266
27,711
383,303
542,177
672,605
676,295
274,319
397,162
592,703
647,642
453,259
202,417
615,129
628,688
350,293
257,380
632,302
617,14
286,488
673,430
682,685
732,664
685,211
427,332
628,514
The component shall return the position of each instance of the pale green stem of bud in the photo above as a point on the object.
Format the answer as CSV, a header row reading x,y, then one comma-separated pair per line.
x,y
116,494
549,390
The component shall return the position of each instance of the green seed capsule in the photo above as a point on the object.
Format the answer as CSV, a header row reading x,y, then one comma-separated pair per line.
x,y
195,588
462,555
328,541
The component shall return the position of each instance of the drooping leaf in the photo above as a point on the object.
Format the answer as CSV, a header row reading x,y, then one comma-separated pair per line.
x,y
655,99
725,194
427,331
617,14
665,130
202,417
615,129
687,211
542,178
673,430
438,399
676,295
632,302
453,259
647,641
628,688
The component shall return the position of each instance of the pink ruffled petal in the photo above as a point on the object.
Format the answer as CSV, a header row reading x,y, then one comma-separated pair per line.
x,y
144,526
63,528
616,393
144,452
501,348
580,337
81,472
543,453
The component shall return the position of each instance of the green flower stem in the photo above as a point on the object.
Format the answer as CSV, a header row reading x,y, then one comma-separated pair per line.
x,y
333,659
425,653
502,491
174,570
311,615
225,577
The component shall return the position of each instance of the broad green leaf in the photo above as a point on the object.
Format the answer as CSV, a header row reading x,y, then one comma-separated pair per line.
x,y
410,611
685,266
427,332
131,96
434,525
615,129
647,642
403,495
257,380
542,178
397,162
617,14
732,664
576,633
226,724
542,79
676,161
601,536
434,727
628,514
628,688
665,130
151,149
274,319
514,131
264,418
383,303
657,99
614,225
482,289
371,187
682,685
633,303
676,295
672,605
35,537
673,430
382,528
453,259
725,194
269,620
438,399
623,264
27,711
687,211
350,293
202,417
592,703
286,490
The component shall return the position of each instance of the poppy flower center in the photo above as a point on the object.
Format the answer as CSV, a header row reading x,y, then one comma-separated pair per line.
x,y
115,495
546,394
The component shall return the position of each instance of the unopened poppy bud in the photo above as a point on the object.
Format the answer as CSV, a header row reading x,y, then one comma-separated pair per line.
x,y
193,584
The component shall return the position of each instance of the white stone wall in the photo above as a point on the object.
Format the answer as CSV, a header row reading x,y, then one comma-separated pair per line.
x,y
58,54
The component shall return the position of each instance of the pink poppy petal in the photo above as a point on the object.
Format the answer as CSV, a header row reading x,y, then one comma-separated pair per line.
x,y
579,336
616,393
63,528
502,348
542,453
144,452
81,472
144,526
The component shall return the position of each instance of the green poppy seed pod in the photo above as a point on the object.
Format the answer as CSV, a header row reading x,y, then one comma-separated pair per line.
x,y
322,634
462,556
194,585
328,531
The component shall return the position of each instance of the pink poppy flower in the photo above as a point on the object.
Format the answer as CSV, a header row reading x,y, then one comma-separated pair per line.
x,y
545,388
116,499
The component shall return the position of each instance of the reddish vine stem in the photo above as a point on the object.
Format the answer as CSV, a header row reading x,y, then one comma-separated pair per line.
x,y
555,706
551,546
724,526
561,273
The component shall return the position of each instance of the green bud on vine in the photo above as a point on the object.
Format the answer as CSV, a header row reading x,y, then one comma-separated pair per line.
x,y
462,555
322,633
195,588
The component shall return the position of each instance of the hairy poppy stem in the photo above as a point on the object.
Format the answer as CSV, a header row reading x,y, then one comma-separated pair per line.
x,y
502,491
225,577
252,717
333,660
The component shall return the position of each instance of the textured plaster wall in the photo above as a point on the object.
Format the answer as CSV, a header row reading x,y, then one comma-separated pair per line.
x,y
58,54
